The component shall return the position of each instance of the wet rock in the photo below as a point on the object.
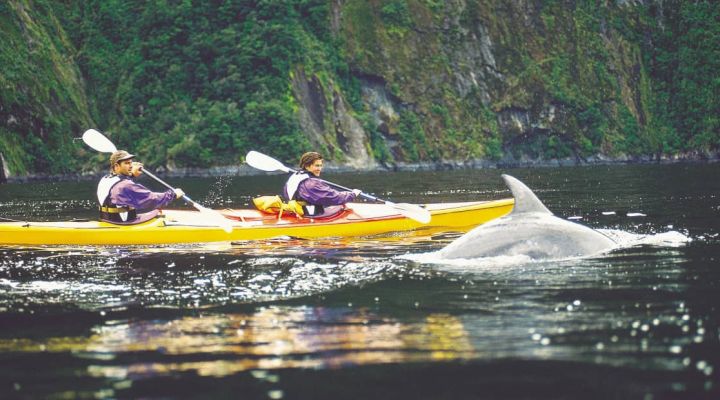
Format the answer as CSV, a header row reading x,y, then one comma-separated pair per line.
x,y
4,172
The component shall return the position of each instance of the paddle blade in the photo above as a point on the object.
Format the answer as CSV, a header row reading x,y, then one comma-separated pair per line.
x,y
262,162
215,217
412,211
98,141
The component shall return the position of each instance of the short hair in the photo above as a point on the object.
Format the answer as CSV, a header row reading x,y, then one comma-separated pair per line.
x,y
308,158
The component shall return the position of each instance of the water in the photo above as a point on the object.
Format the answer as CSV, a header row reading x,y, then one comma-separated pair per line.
x,y
368,317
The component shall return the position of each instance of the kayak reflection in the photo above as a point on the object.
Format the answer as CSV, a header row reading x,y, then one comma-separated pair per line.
x,y
270,338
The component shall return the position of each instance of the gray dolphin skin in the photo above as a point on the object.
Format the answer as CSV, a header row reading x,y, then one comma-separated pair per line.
x,y
530,230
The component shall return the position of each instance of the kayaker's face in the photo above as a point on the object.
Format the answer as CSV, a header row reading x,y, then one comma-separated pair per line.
x,y
123,167
315,168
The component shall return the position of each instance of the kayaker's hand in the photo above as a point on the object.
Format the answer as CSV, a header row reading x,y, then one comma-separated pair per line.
x,y
179,193
136,169
356,192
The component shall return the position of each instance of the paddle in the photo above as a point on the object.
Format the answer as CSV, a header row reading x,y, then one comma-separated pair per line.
x,y
100,143
266,163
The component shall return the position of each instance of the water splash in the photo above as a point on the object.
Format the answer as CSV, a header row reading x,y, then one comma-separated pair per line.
x,y
216,196
180,277
663,239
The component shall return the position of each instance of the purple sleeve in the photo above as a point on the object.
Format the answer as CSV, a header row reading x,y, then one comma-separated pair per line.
x,y
131,194
315,191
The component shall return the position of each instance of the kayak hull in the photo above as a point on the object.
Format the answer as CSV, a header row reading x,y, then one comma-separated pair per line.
x,y
180,226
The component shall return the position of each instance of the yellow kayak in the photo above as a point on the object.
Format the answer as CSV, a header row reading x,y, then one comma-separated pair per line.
x,y
180,226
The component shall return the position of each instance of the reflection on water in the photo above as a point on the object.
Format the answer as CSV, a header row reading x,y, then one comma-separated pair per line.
x,y
271,338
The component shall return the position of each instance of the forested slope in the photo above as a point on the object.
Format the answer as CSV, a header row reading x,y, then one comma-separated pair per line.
x,y
198,83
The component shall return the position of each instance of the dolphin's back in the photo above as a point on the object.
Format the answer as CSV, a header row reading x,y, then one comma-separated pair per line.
x,y
531,230
536,235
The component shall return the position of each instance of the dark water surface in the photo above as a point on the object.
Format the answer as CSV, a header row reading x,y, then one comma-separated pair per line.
x,y
339,319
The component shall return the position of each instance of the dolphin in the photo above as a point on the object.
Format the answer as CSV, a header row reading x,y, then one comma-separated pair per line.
x,y
530,230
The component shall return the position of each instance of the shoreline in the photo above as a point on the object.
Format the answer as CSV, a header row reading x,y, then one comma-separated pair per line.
x,y
445,165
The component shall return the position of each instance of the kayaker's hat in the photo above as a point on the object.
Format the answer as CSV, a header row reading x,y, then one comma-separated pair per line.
x,y
120,155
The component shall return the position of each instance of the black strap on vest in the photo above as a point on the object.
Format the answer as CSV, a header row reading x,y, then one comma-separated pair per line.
x,y
112,214
317,209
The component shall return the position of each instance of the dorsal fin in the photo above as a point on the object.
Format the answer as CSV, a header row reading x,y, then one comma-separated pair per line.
x,y
525,199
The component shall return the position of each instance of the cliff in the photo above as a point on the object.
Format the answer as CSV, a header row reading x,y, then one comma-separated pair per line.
x,y
366,82
42,94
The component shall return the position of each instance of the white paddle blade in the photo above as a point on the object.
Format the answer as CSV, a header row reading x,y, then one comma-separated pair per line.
x,y
262,162
215,217
413,211
98,141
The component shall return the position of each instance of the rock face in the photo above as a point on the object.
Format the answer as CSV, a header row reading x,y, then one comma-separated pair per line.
x,y
350,135
383,112
478,79
313,107
325,118
3,169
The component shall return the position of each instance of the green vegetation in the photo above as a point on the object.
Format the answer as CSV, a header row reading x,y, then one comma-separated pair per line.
x,y
41,96
196,83
684,60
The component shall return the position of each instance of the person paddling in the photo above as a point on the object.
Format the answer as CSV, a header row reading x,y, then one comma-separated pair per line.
x,y
305,186
121,197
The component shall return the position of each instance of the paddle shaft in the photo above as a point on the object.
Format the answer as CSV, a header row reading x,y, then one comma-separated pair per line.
x,y
215,216
362,194
167,185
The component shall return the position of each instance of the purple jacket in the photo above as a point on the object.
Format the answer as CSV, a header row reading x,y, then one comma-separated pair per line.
x,y
128,193
317,192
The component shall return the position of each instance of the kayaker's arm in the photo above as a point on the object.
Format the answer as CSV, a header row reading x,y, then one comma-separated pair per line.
x,y
317,192
132,194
